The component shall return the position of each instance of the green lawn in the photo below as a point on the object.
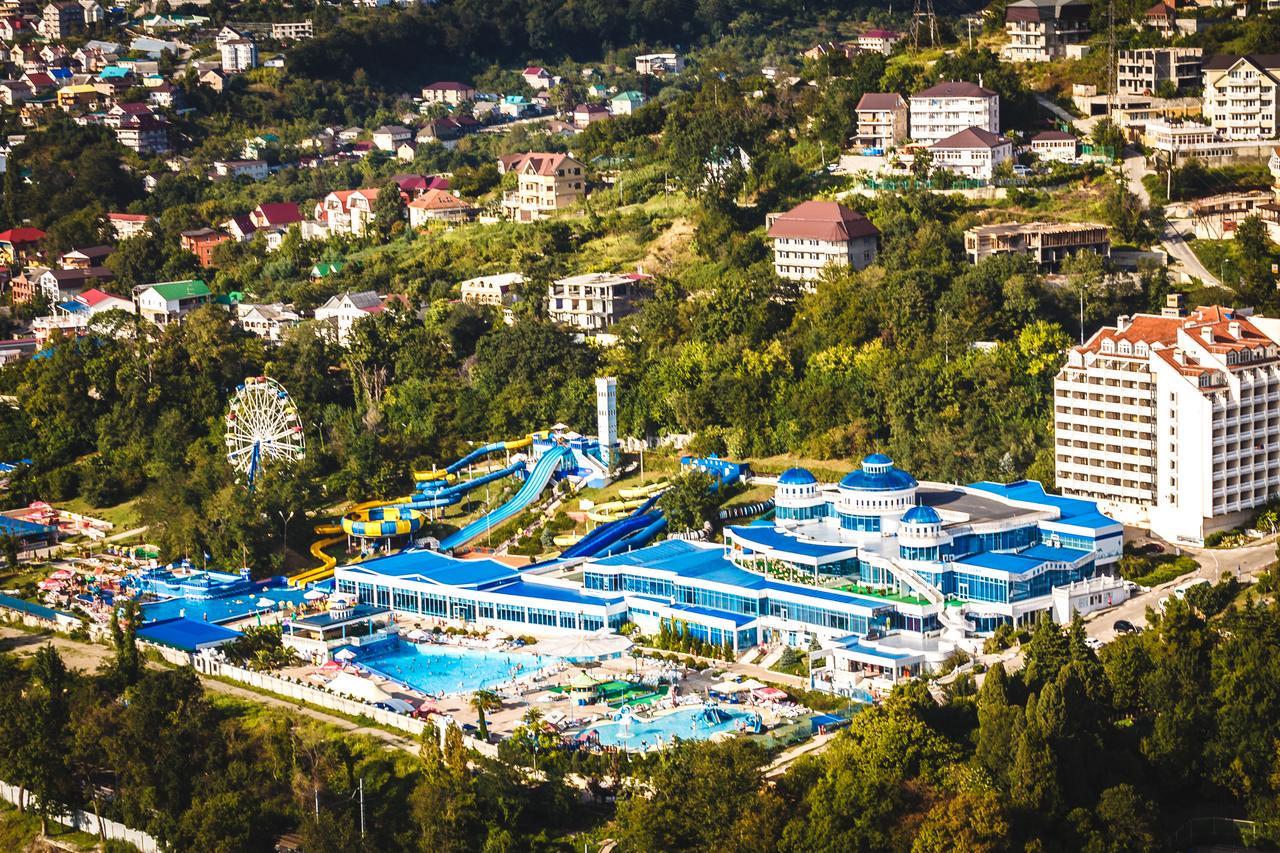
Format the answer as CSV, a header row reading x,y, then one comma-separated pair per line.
x,y
124,516
18,831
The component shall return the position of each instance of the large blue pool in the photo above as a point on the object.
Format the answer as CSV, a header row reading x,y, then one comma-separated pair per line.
x,y
685,723
217,610
448,669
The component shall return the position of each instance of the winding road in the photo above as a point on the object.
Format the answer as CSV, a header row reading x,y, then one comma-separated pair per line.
x,y
1135,166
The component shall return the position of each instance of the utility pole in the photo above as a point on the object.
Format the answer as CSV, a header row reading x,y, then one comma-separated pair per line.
x,y
362,807
316,789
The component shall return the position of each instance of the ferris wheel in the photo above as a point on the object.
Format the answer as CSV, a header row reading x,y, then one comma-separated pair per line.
x,y
262,424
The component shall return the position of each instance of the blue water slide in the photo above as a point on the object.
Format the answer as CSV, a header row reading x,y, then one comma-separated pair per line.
x,y
635,540
606,534
551,462
449,495
455,467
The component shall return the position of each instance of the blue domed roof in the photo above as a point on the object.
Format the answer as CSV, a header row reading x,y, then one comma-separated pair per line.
x,y
922,515
878,475
796,477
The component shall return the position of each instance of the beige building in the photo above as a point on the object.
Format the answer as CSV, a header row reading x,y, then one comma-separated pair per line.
x,y
448,92
1048,243
594,301
1041,30
882,120
545,183
492,289
1172,422
1142,71
1240,95
815,234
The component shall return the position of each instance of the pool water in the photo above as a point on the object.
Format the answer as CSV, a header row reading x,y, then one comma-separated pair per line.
x,y
684,723
448,669
218,610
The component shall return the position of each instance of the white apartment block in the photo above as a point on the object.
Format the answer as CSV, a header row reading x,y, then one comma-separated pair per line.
x,y
1240,95
239,55
1141,71
594,301
972,153
1172,422
816,234
948,108
1040,30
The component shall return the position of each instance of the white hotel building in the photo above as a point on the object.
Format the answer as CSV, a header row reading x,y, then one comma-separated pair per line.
x,y
1172,422
948,108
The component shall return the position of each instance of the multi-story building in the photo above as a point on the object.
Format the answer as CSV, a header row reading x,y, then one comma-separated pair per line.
x,y
1172,422
1040,30
239,55
492,289
448,92
268,321
1055,145
595,301
201,242
1048,243
882,120
659,63
545,183
168,302
972,153
938,565
877,41
1142,71
340,313
62,20
815,234
1240,95
948,108
1185,139
292,30
126,225
146,133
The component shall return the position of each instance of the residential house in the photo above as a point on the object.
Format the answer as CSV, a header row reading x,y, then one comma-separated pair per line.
x,y
1047,243
275,214
1041,30
83,259
60,285
584,114
389,137
546,182
1240,94
62,20
659,63
439,206
413,186
950,107
502,289
1162,18
350,134
340,314
267,321
239,55
878,41
254,170
39,81
72,316
407,151
972,153
228,34
240,227
1143,71
170,301
625,103
201,242
815,234
145,134
882,120
257,147
11,28
516,106
347,211
448,92
14,92
1055,145
594,301
323,269
19,245
214,79
93,12
292,30
126,225
538,78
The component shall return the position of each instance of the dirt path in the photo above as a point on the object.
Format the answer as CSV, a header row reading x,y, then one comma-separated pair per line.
x,y
87,656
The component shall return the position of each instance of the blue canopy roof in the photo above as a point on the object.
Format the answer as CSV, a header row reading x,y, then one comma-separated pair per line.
x,y
922,515
22,528
878,474
796,477
189,635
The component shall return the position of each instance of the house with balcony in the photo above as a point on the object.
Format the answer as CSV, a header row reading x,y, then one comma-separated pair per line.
x,y
545,183
1041,30
1240,95
972,153
882,121
950,107
1047,243
816,234
170,301
593,302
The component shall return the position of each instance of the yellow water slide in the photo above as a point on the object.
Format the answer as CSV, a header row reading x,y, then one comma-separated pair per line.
x,y
643,491
327,563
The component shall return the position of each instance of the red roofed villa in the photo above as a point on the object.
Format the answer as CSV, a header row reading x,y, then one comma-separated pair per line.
x,y
816,233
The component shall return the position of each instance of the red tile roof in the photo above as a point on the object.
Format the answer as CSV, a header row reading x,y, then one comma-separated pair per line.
x,y
822,220
279,212
971,137
21,235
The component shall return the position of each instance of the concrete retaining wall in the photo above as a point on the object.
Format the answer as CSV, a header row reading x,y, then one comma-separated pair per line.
x,y
85,821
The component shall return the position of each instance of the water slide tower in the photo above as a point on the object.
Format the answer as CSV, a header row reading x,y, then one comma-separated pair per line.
x,y
607,418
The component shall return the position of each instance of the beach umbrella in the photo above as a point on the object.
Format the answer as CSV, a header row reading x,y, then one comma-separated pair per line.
x,y
331,665
63,574
345,654
264,602
314,595
416,634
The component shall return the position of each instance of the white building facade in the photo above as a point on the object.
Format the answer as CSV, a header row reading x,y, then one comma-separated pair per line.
x,y
948,108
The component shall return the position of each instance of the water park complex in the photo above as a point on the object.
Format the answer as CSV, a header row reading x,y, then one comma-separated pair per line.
x,y
875,578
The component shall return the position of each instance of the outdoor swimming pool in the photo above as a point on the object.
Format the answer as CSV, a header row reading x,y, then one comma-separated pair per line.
x,y
685,723
448,669
218,610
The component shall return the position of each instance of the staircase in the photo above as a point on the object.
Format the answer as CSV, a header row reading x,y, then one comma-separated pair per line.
x,y
955,625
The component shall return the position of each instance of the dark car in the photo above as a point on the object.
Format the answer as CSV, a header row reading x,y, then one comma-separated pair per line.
x,y
1124,626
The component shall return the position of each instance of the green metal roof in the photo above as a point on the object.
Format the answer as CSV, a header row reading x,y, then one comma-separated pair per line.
x,y
181,289
327,268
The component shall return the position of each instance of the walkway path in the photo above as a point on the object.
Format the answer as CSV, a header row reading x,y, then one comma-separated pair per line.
x,y
786,758
89,656
1134,167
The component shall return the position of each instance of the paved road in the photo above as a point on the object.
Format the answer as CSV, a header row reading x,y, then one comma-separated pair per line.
x,y
88,656
1135,166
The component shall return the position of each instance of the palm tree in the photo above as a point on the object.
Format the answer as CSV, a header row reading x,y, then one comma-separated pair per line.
x,y
481,701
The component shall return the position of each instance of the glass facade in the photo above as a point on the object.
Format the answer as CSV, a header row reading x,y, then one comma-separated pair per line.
x,y
861,523
801,513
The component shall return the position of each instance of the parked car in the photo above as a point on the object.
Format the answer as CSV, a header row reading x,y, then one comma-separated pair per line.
x,y
1022,171
1124,626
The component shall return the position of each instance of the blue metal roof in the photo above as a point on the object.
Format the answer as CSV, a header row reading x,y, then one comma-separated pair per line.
x,y
439,568
326,618
1015,564
546,592
1075,512
189,635
878,474
22,528
796,477
778,540
74,307
852,644
10,603
922,515
686,560
738,619
1054,553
